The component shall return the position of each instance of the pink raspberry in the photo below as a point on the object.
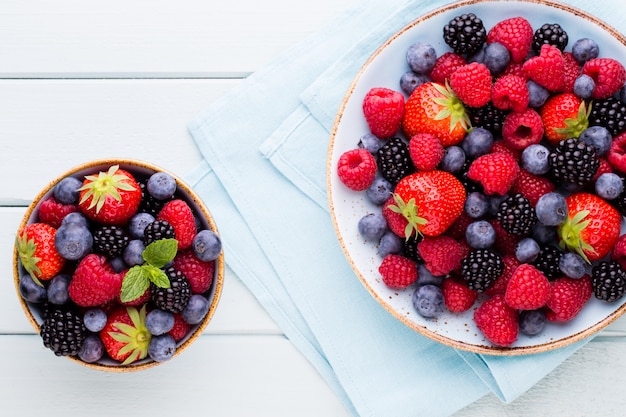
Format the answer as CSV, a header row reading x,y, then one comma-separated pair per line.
x,y
356,169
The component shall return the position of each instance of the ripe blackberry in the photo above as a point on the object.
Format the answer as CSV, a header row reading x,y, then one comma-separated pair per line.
x,y
516,215
573,162
465,34
480,268
610,113
488,117
620,202
62,331
394,160
149,204
548,262
175,298
110,241
608,279
409,249
551,34
157,230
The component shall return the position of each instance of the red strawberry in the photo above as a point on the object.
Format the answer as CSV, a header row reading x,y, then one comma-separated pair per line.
x,y
608,74
180,329
522,129
497,321
510,92
457,296
110,197
434,108
532,186
383,109
547,69
499,286
53,212
496,172
564,116
426,151
567,297
396,222
430,201
35,247
356,169
441,254
397,271
445,65
592,226
94,282
199,273
516,34
528,288
570,73
178,214
617,153
125,336
472,84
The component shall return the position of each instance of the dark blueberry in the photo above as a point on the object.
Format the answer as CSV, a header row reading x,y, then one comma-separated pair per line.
x,y
477,142
585,49
161,348
622,94
480,234
118,264
371,142
75,217
551,209
609,185
532,322
372,226
133,252
207,245
527,250
537,94
95,319
496,58
544,234
476,204
137,224
389,243
478,56
599,137
196,309
425,277
453,159
411,80
159,322
92,349
421,57
572,265
379,191
536,159
584,86
428,300
161,185
31,291
66,190
57,289
494,203
73,241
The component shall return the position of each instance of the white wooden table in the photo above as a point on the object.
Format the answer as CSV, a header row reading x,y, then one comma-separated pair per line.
x,y
81,81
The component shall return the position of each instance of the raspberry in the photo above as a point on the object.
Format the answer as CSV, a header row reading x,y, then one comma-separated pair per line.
x,y
53,212
499,146
505,241
356,169
495,172
608,74
199,273
178,214
510,93
180,329
396,222
516,34
531,186
441,254
515,68
547,69
522,129
567,297
618,253
571,71
499,286
445,65
497,321
426,151
528,288
397,271
383,109
472,84
457,296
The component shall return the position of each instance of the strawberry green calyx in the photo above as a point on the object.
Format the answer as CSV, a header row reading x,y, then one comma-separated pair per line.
x,y
26,251
574,127
409,211
452,107
103,185
135,337
570,233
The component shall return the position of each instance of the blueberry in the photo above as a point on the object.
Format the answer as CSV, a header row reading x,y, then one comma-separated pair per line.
x,y
73,241
411,80
421,57
537,94
379,191
118,264
476,204
609,186
453,159
57,289
389,243
544,234
496,57
159,322
371,143
584,86
161,348
599,137
161,185
66,190
494,203
133,252
428,300
372,226
572,265
425,277
196,309
527,250
75,217
551,209
478,56
137,224
95,319
480,234
622,94
207,245
532,322
30,291
585,49
477,142
536,159
92,349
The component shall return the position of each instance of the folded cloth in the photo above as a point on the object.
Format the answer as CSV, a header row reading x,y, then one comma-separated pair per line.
x,y
265,146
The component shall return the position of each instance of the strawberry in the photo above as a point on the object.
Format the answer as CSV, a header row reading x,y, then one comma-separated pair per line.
x,y
496,172
567,297
608,75
199,273
34,245
178,214
499,286
564,116
434,108
509,92
441,254
430,201
356,169
532,186
522,129
125,336
472,84
383,109
527,289
516,34
457,296
426,151
396,222
497,321
591,228
397,271
111,197
94,282
547,69
53,212
445,65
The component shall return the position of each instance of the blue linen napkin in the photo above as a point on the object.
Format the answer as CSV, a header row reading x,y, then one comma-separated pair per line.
x,y
265,146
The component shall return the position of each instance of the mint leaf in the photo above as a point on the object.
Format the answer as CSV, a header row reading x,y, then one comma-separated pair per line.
x,y
135,284
156,276
160,252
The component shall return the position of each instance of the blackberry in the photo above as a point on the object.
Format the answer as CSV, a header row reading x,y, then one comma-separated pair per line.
x,y
550,34
149,204
465,34
573,162
409,249
548,262
63,331
470,185
157,230
394,160
110,241
609,113
620,202
608,279
175,298
516,215
480,268
488,117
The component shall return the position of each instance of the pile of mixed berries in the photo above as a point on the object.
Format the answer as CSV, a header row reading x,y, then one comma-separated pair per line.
x,y
498,166
118,265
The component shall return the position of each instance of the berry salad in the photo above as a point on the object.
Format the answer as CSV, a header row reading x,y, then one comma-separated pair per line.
x,y
492,173
119,266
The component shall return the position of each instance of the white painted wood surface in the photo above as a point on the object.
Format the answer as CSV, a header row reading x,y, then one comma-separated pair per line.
x,y
84,80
